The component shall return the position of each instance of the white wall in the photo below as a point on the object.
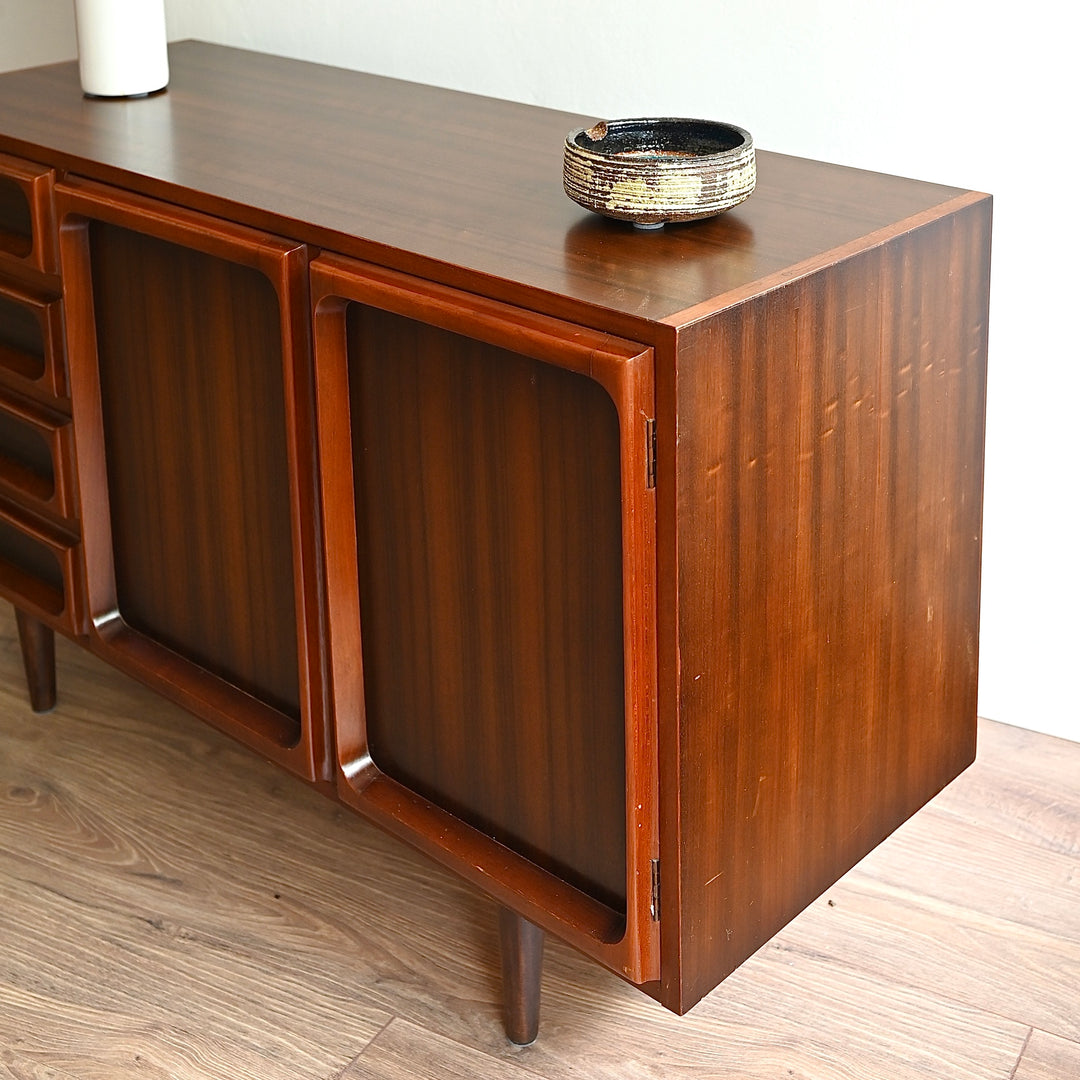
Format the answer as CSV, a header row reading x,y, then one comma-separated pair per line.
x,y
936,89
35,32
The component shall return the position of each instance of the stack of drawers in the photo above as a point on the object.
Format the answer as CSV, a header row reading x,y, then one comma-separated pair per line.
x,y
39,529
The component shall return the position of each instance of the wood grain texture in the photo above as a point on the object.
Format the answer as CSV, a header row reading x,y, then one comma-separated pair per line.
x,y
404,1051
819,393
491,606
489,539
37,460
38,647
13,1066
40,569
1019,802
27,237
451,186
26,459
16,227
829,515
1047,1057
521,947
979,968
198,489
22,350
993,868
135,947
31,343
254,1017
190,360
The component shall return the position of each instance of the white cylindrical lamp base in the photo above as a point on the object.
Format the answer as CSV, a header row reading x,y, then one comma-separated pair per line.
x,y
122,47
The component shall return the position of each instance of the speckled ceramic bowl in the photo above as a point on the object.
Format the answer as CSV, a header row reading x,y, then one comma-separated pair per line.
x,y
651,172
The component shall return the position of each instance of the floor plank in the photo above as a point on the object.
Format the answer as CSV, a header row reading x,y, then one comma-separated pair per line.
x,y
983,909
14,1066
404,1051
1024,785
1047,1057
783,1014
171,906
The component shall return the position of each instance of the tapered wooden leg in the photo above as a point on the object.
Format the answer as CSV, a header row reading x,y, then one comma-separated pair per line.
x,y
39,660
522,962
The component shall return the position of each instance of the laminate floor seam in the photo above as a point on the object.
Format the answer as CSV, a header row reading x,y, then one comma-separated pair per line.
x,y
1047,1057
364,1049
925,991
1027,836
928,989
1023,1050
850,962
944,909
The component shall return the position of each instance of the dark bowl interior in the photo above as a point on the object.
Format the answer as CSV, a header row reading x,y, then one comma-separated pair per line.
x,y
660,138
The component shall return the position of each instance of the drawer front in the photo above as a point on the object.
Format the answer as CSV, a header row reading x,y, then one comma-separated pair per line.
x,y
40,569
489,527
26,215
36,459
31,343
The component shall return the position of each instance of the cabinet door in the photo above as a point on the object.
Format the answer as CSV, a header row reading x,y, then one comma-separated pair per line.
x,y
191,399
489,525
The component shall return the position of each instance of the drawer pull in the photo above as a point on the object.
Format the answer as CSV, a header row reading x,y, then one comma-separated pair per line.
x,y
31,343
38,569
35,455
26,233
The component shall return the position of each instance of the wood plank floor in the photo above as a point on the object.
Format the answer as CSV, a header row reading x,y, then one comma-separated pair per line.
x,y
172,907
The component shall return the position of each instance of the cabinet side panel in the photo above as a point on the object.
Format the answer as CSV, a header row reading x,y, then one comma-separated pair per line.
x,y
194,422
829,505
489,528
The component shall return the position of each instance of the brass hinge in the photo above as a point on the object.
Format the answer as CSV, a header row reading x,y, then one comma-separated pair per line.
x,y
650,453
654,903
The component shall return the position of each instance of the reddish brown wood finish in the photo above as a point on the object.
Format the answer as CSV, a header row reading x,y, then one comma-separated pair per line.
x,y
800,590
36,458
488,509
31,343
829,480
38,532
482,470
522,947
27,236
38,645
190,368
453,187
40,571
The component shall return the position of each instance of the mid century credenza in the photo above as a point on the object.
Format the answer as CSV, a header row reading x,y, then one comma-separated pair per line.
x,y
633,576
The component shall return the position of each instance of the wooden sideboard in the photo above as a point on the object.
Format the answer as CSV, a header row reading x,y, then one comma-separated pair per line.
x,y
634,576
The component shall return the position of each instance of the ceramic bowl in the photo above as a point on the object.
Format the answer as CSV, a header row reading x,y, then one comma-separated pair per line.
x,y
650,172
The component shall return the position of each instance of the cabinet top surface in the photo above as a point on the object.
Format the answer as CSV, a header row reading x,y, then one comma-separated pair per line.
x,y
454,186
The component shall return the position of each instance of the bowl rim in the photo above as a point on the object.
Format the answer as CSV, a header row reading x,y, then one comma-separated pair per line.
x,y
745,144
